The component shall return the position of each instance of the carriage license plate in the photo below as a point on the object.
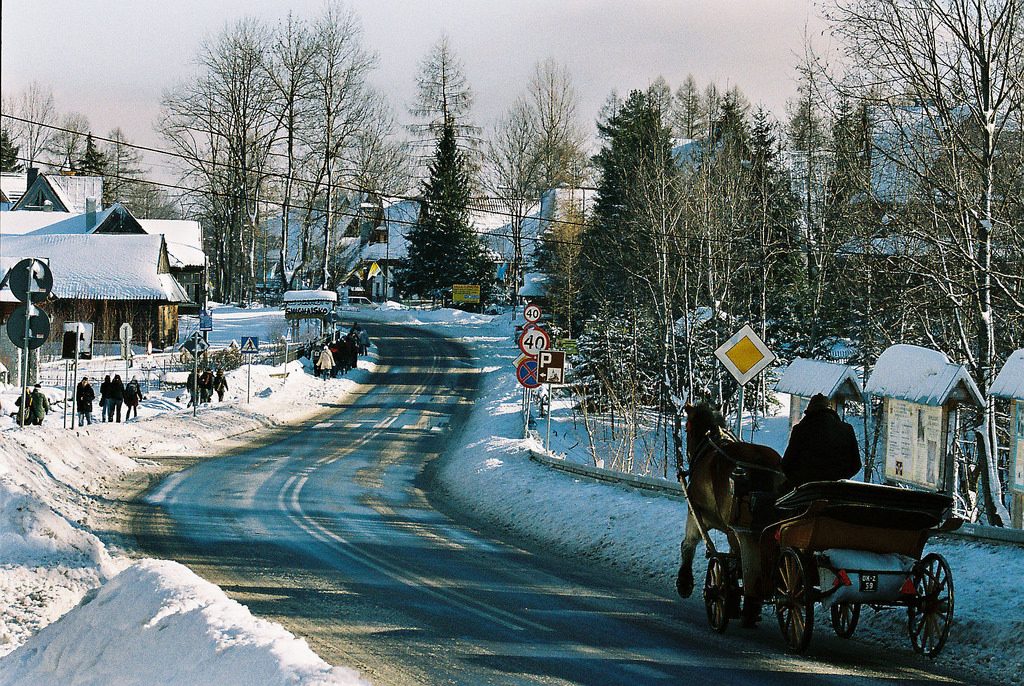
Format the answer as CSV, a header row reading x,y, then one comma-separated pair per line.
x,y
868,583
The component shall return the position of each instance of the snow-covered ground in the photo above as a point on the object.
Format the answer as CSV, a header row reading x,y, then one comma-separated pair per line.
x,y
53,485
55,491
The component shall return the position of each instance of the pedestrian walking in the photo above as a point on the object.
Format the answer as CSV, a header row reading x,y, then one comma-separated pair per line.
x,y
336,354
105,398
84,395
364,341
353,350
220,384
193,389
326,361
39,406
132,397
116,397
206,386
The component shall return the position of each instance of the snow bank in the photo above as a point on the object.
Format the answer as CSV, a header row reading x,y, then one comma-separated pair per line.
x,y
159,623
56,485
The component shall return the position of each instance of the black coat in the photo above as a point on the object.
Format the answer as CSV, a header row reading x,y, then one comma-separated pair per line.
x,y
822,447
116,391
84,395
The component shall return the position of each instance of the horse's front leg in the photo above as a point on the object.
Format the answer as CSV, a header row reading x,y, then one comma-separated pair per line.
x,y
684,581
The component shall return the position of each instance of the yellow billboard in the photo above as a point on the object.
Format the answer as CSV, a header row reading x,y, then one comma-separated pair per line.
x,y
465,293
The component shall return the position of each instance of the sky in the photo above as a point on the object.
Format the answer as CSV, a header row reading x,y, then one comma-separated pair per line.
x,y
112,59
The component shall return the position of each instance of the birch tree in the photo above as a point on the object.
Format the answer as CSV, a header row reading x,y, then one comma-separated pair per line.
x,y
958,64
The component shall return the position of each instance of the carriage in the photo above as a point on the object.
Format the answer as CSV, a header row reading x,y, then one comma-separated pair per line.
x,y
841,545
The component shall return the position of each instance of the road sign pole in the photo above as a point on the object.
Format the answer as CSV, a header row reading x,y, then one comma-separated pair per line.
x,y
248,382
547,442
195,382
739,414
24,371
66,365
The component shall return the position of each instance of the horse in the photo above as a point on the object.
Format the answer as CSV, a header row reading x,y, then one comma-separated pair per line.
x,y
713,454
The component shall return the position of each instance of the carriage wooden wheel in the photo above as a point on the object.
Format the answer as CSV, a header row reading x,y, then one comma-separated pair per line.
x,y
931,612
720,593
844,618
794,600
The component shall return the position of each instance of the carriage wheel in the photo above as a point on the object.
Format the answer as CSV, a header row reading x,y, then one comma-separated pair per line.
x,y
844,618
718,594
931,612
794,601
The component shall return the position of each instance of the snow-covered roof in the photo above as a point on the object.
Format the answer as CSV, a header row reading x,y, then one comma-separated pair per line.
x,y
70,192
97,266
12,185
1009,382
184,237
809,377
399,217
920,375
310,296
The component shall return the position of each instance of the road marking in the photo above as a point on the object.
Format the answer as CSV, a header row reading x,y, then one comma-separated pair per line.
x,y
323,425
293,507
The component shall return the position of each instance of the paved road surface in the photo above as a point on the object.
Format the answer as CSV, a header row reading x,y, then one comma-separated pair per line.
x,y
329,530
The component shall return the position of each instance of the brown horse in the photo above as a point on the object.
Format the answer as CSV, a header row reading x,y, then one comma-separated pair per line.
x,y
713,454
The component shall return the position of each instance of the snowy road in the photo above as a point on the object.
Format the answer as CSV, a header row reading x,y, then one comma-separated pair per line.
x,y
329,531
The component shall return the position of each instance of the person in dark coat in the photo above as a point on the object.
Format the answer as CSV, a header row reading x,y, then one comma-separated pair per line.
x,y
337,355
132,397
206,386
220,384
39,406
105,408
822,447
352,348
84,395
116,397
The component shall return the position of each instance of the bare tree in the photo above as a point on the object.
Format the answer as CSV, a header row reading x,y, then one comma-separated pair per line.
x,y
123,170
688,119
222,124
290,68
68,141
553,103
37,113
443,95
341,67
515,168
957,65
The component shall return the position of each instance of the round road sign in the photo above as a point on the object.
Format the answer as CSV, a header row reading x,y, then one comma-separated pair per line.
x,y
534,340
532,313
31,280
38,328
527,375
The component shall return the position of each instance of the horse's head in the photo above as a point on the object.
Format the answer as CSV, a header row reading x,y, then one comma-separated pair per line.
x,y
701,419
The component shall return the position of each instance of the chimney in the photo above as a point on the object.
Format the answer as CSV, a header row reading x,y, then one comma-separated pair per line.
x,y
33,172
90,213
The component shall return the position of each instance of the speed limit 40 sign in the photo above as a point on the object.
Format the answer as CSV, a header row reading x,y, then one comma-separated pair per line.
x,y
532,313
533,340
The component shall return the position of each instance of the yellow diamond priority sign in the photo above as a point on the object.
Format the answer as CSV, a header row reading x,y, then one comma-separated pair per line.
x,y
745,355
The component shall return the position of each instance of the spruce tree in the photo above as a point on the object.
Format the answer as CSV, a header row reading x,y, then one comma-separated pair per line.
x,y
93,162
443,248
8,153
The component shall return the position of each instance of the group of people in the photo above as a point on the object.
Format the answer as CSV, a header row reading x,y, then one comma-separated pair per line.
x,y
114,394
36,407
201,389
341,353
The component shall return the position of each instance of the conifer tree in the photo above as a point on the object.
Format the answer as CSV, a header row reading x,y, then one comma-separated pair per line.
x,y
8,153
93,162
443,248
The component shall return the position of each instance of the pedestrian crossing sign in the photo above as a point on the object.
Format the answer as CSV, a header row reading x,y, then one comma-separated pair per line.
x,y
250,345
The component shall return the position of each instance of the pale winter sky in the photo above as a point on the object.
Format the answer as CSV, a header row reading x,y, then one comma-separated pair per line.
x,y
111,59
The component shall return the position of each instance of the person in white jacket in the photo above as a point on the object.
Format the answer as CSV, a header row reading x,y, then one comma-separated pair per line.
x,y
325,361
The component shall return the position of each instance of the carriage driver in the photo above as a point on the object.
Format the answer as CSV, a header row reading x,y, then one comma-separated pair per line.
x,y
822,447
